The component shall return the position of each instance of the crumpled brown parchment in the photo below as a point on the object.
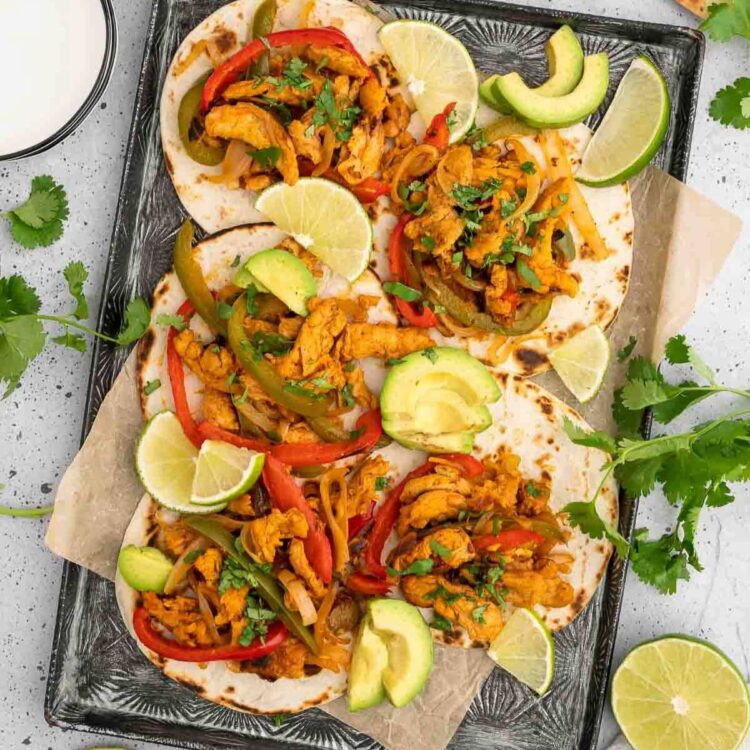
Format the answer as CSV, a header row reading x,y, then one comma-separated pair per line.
x,y
681,242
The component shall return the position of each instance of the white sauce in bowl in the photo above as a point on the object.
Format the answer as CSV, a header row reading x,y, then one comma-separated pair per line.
x,y
51,52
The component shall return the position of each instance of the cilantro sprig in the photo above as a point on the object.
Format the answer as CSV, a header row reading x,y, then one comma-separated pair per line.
x,y
38,221
25,512
22,333
692,468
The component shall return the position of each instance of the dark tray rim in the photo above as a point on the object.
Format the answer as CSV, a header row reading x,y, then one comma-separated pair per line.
x,y
532,15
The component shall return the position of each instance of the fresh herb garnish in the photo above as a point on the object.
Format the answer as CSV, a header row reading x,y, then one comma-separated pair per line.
x,y
169,319
25,512
397,289
239,400
275,344
38,221
320,385
22,335
692,468
258,618
531,490
451,119
728,19
347,397
266,157
381,483
528,275
469,197
427,242
234,576
430,353
391,361
293,77
417,568
731,105
627,350
326,112
282,110
250,294
151,386
528,167
440,549
477,614
441,623
414,207
476,138
236,261
224,311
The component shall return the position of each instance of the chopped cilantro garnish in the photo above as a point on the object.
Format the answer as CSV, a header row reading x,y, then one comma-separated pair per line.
x,y
397,289
266,157
151,386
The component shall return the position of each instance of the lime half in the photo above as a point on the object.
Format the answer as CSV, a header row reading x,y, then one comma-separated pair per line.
x,y
582,362
632,130
165,460
323,217
680,693
224,472
437,70
525,649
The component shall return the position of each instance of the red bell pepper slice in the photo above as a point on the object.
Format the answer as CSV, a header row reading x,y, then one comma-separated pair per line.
x,y
358,522
177,379
438,133
367,585
385,519
426,318
505,541
314,454
470,466
230,70
169,649
287,494
209,431
367,191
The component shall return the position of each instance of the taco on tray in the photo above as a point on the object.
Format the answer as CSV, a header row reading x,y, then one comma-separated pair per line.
x,y
257,94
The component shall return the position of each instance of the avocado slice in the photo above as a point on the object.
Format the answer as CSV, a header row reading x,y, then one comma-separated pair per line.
x,y
144,568
369,660
565,61
436,400
560,111
282,274
409,643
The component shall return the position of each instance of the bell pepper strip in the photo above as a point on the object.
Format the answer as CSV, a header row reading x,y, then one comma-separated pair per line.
x,y
265,584
177,380
470,466
385,519
438,133
506,541
197,150
367,585
467,314
209,431
287,494
426,318
313,454
169,649
193,283
358,522
264,372
367,191
230,70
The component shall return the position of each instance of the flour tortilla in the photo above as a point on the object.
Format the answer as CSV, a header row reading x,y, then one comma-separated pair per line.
x,y
214,206
241,691
215,255
528,420
603,283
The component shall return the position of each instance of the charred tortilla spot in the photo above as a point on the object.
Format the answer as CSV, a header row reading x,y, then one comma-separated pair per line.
x,y
529,359
615,217
545,405
628,237
224,39
196,687
546,476
623,274
602,307
168,162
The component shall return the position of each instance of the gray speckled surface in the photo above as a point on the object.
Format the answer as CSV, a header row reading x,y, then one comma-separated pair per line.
x,y
41,421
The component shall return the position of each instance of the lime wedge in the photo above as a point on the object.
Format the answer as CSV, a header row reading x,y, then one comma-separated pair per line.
x,y
224,472
437,70
632,130
525,649
582,362
682,693
323,217
165,461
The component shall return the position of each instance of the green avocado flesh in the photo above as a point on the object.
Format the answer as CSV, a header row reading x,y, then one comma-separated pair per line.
x,y
409,643
436,400
558,112
565,59
369,660
282,274
144,568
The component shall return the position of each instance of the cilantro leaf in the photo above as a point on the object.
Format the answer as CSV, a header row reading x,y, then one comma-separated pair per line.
x,y
75,274
38,221
21,339
590,438
397,289
628,421
727,19
169,319
266,157
583,515
627,350
17,297
659,562
678,352
417,568
71,340
731,105
137,319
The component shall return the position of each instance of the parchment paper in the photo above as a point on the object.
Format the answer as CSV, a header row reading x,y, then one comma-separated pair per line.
x,y
681,241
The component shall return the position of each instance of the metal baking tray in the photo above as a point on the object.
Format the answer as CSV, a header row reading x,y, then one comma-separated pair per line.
x,y
98,680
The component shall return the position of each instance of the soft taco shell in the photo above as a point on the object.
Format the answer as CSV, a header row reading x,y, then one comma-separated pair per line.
x,y
215,256
216,206
603,283
241,691
529,421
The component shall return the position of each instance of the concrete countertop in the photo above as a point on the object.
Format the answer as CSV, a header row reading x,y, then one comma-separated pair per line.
x,y
41,421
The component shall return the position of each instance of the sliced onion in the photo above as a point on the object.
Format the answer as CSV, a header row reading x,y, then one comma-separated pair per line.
x,y
180,568
299,596
236,163
208,616
256,417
